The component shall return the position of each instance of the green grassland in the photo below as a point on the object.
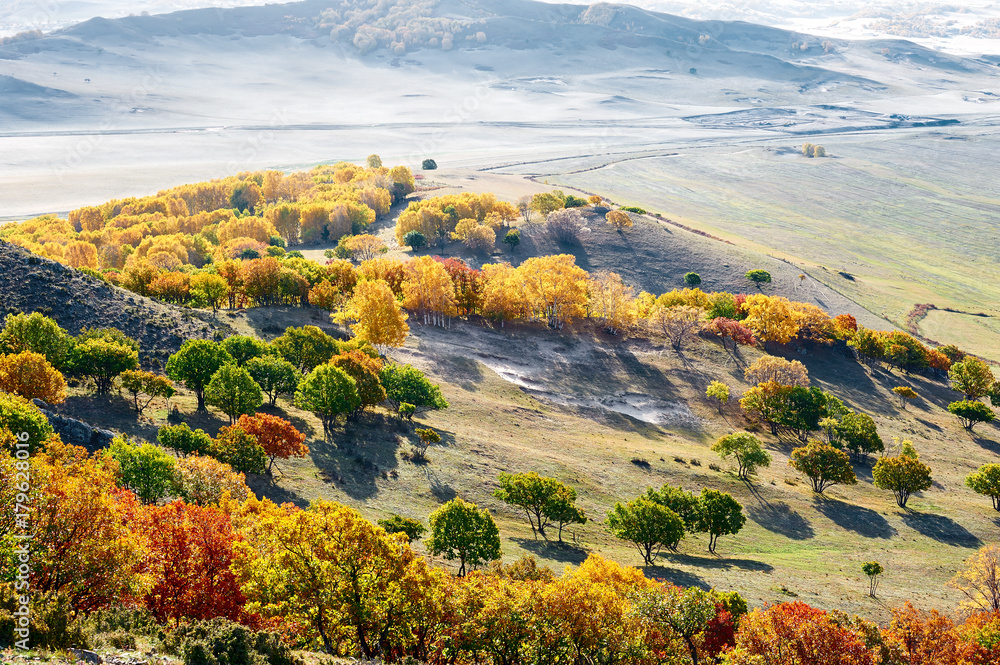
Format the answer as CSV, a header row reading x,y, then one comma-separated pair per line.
x,y
910,218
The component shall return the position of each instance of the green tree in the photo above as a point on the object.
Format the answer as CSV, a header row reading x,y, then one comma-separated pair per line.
x,y
415,240
857,432
544,500
244,348
872,569
692,279
562,510
719,514
986,481
233,390
275,376
759,277
195,364
824,465
801,409
463,531
685,504
646,524
971,413
971,376
719,393
145,469
183,440
102,360
240,450
374,162
682,612
328,392
746,448
18,415
512,239
407,384
408,526
306,347
428,165
903,474
38,333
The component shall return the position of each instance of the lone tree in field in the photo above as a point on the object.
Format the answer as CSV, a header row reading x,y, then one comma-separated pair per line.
x,y
512,239
618,220
759,277
905,394
980,581
544,500
649,526
718,392
746,449
427,436
233,390
824,465
195,364
903,475
986,481
971,376
971,413
719,514
137,382
463,531
872,569
692,279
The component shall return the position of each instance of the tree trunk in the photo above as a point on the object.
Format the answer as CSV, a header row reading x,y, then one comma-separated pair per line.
x,y
200,394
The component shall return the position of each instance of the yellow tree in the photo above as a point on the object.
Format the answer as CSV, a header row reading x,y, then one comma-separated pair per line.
x,y
676,323
30,375
556,288
504,297
611,300
980,581
429,291
814,323
287,220
376,316
365,247
618,219
779,370
771,318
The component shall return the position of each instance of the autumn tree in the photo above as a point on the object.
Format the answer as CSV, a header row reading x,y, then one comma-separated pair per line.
x,y
971,412
195,364
719,514
746,449
565,226
546,203
306,347
618,220
374,314
905,394
649,526
205,481
770,318
779,370
718,392
426,436
331,571
233,390
463,531
986,481
428,290
903,474
183,440
275,376
37,333
677,323
980,581
144,387
210,289
328,392
727,330
276,436
102,360
30,375
365,247
240,450
824,465
971,376
191,550
611,301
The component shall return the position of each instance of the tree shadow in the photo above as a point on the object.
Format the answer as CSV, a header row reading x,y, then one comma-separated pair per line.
x,y
862,521
262,487
681,578
781,519
929,425
359,457
564,552
443,492
940,528
720,562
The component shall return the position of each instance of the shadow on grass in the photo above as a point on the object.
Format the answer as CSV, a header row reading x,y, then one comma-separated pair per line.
x,y
781,519
262,487
940,528
721,562
681,578
862,521
564,552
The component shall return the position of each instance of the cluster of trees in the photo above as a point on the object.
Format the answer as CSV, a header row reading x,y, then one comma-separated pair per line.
x,y
242,215
325,577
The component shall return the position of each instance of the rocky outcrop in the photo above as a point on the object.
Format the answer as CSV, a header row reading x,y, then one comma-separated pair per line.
x,y
75,431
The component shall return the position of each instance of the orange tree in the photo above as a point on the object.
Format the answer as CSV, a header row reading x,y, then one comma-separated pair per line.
x,y
30,375
276,436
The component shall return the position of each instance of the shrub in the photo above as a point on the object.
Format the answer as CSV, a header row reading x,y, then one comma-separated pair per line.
x,y
223,642
412,528
634,209
204,480
759,277
428,165
19,415
572,201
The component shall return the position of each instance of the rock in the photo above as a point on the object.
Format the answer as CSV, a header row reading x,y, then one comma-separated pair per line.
x,y
85,656
40,404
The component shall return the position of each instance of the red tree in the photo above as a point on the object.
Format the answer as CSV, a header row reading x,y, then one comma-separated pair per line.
x,y
276,436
